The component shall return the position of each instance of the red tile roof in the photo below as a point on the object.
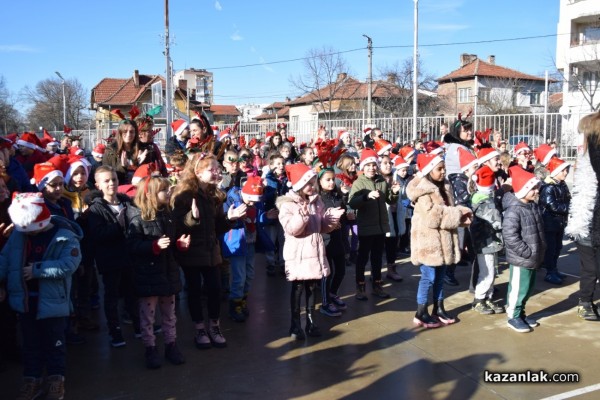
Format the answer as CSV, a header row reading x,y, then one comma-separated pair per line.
x,y
112,91
282,113
481,68
224,110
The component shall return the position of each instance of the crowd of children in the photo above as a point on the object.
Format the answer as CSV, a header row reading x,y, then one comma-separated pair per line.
x,y
148,227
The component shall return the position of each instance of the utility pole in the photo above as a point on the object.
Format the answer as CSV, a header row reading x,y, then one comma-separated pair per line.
x,y
415,70
64,98
370,80
168,83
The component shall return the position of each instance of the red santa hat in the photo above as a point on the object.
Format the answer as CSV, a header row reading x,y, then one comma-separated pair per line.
x,y
215,130
253,189
269,134
74,163
30,140
368,156
142,172
45,172
407,152
520,147
400,163
433,147
5,143
13,137
28,212
381,146
291,139
342,133
555,165
47,139
427,162
225,133
178,126
486,154
99,150
367,129
299,175
466,159
484,179
253,142
522,181
76,151
544,153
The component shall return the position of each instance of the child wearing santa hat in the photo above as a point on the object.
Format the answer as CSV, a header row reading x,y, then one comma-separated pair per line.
x,y
486,236
368,196
37,263
303,217
239,244
523,234
555,199
434,237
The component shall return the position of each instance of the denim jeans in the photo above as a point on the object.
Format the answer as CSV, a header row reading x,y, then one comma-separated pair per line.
x,y
431,276
43,343
277,236
242,273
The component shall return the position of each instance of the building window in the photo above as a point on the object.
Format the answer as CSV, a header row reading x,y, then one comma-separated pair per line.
x,y
464,95
294,124
591,80
485,95
535,98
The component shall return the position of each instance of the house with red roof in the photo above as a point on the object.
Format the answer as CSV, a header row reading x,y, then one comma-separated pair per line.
x,y
488,88
274,112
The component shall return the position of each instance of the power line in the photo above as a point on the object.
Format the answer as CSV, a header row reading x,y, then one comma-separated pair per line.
x,y
387,47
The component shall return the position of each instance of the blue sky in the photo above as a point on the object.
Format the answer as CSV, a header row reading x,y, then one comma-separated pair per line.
x,y
90,40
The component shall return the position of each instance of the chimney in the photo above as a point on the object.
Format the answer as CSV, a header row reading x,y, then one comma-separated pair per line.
x,y
467,59
182,84
392,77
136,78
492,59
341,76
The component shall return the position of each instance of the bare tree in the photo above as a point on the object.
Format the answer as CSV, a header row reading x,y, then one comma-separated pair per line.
x,y
325,75
47,104
584,77
10,118
395,89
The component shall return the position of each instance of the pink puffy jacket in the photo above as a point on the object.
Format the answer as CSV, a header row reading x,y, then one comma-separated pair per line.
x,y
303,221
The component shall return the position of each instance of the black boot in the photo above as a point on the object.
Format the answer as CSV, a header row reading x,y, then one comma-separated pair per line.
x,y
440,313
422,318
152,358
311,327
235,311
296,331
245,309
586,311
360,292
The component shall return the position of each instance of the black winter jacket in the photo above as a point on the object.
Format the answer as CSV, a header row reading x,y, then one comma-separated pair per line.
x,y
460,189
554,202
523,233
154,275
333,240
107,237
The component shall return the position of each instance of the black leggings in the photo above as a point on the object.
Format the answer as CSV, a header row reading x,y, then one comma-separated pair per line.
x,y
391,249
308,288
203,281
331,284
369,246
119,283
589,259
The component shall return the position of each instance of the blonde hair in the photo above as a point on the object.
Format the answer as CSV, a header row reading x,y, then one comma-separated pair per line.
x,y
189,178
344,162
146,195
590,127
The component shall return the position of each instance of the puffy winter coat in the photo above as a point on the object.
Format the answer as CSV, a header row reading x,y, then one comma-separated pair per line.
x,y
333,240
554,202
60,261
204,247
523,233
371,215
154,274
433,236
107,237
303,222
486,229
113,159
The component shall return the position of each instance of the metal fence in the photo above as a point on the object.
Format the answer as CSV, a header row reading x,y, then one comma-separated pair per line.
x,y
537,128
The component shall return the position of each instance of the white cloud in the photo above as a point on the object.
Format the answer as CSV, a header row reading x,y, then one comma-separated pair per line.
x,y
218,6
268,68
236,36
16,48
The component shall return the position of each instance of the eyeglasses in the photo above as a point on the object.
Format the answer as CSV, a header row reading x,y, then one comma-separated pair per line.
x,y
55,185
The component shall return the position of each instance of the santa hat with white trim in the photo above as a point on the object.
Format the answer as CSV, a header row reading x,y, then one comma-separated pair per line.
x,y
520,147
342,133
45,172
253,189
486,154
216,131
225,133
299,175
484,179
407,152
400,163
427,162
466,159
556,165
381,146
30,141
76,151
74,163
29,212
544,153
522,181
99,150
368,156
178,126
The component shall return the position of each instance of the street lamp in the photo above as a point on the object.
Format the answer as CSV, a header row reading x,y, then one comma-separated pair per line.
x,y
64,99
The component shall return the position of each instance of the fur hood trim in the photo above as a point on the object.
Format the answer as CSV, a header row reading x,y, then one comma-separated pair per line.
x,y
583,199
